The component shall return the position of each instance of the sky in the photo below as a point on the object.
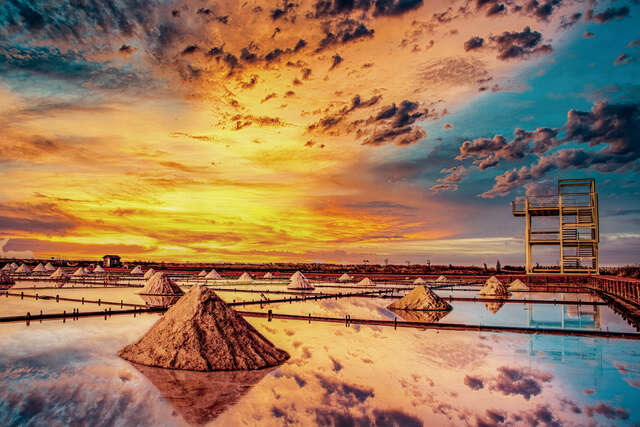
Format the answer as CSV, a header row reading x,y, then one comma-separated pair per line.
x,y
325,131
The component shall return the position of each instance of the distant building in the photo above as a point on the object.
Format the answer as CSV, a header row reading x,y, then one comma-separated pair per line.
x,y
111,261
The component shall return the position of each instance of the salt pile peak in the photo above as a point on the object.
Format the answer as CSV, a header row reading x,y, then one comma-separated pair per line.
x,y
494,288
40,268
161,284
213,274
365,282
202,333
137,270
59,274
345,278
49,267
419,281
245,277
202,273
268,275
420,298
518,285
149,274
98,269
24,269
442,279
298,281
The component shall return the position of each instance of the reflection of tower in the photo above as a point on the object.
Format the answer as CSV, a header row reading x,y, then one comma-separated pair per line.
x,y
572,316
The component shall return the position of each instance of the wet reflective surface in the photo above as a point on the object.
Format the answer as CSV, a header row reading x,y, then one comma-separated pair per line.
x,y
56,373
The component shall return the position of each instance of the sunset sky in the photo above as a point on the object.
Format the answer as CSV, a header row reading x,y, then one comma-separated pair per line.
x,y
320,130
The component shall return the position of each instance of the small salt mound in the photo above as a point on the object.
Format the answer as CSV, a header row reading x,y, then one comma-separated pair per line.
x,y
420,298
298,281
202,333
7,267
202,273
98,270
213,274
442,279
268,275
40,269
150,272
137,270
14,266
49,267
23,269
79,272
365,282
345,278
5,279
518,285
419,281
493,287
161,284
245,277
59,274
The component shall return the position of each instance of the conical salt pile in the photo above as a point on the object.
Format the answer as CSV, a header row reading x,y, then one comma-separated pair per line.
x,y
246,277
202,273
79,272
14,266
137,270
202,333
7,267
420,298
442,279
149,274
298,281
365,282
213,274
161,284
518,285
5,279
493,307
419,281
49,267
59,274
494,288
40,269
98,269
345,278
268,275
23,269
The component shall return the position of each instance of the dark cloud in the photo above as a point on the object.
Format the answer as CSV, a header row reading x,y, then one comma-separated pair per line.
x,y
346,31
496,9
437,188
337,59
346,395
190,49
473,43
588,35
606,411
45,218
391,417
474,383
399,136
334,119
378,7
567,22
542,9
241,121
519,382
608,14
519,44
623,58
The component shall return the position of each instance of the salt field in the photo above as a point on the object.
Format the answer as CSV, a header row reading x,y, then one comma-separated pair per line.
x,y
338,373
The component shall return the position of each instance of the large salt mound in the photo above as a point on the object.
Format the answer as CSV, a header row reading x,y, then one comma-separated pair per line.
x,y
365,282
49,267
14,266
137,270
149,274
59,274
160,300
7,267
518,285
345,278
419,281
442,279
298,281
268,275
493,287
202,273
161,284
245,277
202,333
5,279
420,298
79,272
23,269
40,269
213,274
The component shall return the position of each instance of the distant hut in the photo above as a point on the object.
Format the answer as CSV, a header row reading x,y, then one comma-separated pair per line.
x,y
245,277
298,281
161,284
137,271
345,278
419,281
23,269
442,279
268,275
49,267
39,269
420,298
202,273
365,282
59,274
213,274
98,270
5,280
518,285
150,272
79,272
493,288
